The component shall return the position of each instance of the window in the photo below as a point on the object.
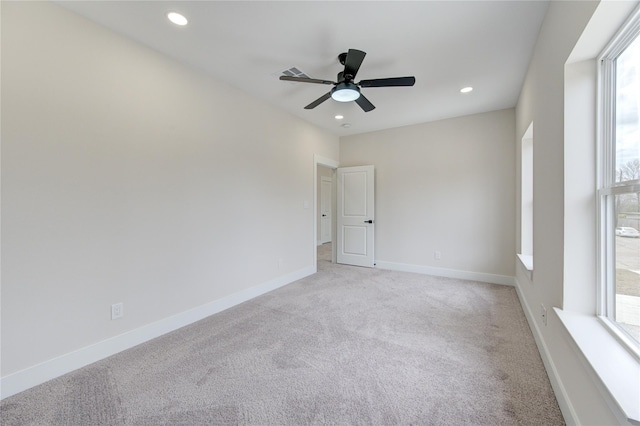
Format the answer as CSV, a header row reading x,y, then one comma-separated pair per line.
x,y
526,202
619,185
526,221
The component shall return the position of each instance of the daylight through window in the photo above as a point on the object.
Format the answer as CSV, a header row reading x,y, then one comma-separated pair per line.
x,y
619,190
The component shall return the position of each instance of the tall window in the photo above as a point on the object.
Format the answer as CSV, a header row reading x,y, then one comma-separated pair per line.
x,y
619,184
526,210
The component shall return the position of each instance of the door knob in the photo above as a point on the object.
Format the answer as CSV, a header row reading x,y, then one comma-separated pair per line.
x,y
324,215
368,221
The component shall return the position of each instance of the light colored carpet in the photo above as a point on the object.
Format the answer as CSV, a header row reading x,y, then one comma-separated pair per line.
x,y
347,345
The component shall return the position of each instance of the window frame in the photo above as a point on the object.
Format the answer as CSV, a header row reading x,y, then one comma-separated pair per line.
x,y
607,187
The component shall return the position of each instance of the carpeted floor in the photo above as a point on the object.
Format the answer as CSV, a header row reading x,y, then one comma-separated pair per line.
x,y
347,345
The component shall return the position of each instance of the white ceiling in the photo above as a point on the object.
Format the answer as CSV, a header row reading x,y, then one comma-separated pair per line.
x,y
446,45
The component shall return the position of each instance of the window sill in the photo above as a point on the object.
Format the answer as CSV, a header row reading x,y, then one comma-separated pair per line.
x,y
615,367
526,260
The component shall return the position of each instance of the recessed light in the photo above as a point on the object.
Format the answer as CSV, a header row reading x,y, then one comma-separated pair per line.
x,y
177,18
339,117
346,125
466,89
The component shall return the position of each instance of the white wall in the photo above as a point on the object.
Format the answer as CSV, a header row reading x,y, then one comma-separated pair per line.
x,y
127,177
448,186
558,214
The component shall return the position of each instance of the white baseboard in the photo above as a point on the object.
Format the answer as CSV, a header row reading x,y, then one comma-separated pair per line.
x,y
45,371
449,273
570,416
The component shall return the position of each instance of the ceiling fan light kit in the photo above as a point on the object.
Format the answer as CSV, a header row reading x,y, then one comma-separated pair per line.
x,y
345,89
345,92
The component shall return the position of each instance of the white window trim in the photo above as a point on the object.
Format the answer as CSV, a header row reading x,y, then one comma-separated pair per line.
x,y
605,180
526,194
612,355
526,261
616,369
603,350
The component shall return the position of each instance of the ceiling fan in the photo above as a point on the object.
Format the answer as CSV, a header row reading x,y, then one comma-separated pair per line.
x,y
346,89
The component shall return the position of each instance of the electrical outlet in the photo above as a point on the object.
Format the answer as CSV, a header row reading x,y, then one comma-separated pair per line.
x,y
543,314
437,255
280,263
117,310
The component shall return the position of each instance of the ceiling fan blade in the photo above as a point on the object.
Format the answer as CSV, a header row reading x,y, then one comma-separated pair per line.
x,y
353,62
318,101
305,80
388,82
364,103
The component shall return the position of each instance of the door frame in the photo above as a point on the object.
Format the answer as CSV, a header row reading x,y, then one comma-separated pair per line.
x,y
319,160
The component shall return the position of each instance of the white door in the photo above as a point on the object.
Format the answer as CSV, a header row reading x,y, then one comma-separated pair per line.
x,y
325,209
355,221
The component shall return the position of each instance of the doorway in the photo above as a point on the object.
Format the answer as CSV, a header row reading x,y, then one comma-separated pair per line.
x,y
324,175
